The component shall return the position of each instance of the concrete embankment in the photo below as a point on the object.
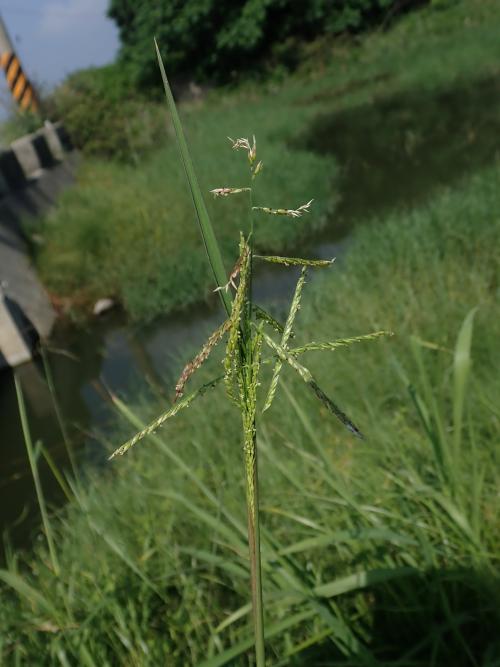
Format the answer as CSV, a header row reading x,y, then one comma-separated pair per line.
x,y
33,171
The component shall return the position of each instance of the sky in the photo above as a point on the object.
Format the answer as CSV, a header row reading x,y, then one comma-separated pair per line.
x,y
55,37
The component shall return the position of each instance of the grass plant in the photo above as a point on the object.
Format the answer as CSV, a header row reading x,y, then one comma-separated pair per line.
x,y
33,453
59,416
245,338
367,556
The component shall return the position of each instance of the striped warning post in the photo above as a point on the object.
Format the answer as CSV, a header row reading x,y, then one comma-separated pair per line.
x,y
21,89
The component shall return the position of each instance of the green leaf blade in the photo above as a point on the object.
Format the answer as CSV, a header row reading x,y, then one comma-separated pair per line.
x,y
206,228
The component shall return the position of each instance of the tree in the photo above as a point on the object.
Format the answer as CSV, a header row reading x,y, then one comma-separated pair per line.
x,y
218,39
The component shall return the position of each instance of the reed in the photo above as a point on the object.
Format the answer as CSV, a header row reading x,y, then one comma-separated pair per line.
x,y
246,336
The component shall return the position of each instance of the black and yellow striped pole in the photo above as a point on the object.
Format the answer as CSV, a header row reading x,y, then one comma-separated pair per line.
x,y
20,87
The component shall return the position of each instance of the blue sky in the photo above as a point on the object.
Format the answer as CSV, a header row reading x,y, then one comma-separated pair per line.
x,y
55,37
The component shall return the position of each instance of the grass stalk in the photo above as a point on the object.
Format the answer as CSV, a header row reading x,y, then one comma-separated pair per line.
x,y
252,483
249,373
57,409
251,454
56,472
36,478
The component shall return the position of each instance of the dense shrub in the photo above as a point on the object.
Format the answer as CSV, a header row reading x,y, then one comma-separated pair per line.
x,y
104,115
219,38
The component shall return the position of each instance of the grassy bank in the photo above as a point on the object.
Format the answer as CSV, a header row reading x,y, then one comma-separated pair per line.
x,y
129,232
375,553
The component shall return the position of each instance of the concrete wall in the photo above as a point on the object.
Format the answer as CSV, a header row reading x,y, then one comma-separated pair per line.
x,y
33,171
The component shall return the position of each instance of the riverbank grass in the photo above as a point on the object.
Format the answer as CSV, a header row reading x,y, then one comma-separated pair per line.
x,y
127,232
373,552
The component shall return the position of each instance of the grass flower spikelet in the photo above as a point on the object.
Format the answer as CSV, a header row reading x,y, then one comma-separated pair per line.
x,y
306,375
225,192
287,332
232,358
290,212
295,261
159,421
245,144
201,357
341,342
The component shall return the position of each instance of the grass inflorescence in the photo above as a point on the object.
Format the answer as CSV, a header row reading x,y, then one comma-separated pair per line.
x,y
245,339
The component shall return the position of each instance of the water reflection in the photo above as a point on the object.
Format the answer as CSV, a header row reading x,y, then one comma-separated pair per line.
x,y
397,150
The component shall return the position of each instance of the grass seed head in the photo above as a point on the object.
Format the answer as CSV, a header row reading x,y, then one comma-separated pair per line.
x,y
201,357
245,144
225,192
290,212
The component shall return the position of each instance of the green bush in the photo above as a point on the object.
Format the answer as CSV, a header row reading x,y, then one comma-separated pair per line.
x,y
105,116
217,39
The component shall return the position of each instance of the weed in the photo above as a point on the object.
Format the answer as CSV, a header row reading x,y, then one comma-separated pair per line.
x,y
244,345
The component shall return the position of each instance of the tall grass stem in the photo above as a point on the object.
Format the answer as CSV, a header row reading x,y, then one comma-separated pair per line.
x,y
34,471
57,409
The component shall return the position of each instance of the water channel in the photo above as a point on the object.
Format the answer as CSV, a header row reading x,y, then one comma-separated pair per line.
x,y
393,153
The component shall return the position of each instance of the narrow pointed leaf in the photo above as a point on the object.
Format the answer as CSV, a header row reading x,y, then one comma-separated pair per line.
x,y
207,231
363,579
34,597
227,657
461,368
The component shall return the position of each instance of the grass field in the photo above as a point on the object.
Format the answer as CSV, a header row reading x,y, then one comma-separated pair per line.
x,y
382,552
129,232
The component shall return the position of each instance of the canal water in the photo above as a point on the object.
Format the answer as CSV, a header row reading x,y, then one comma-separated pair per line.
x,y
393,153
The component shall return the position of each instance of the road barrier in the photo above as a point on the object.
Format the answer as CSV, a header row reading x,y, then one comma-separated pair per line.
x,y
19,84
33,171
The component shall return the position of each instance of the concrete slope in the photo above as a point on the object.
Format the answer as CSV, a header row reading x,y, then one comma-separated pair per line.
x,y
26,310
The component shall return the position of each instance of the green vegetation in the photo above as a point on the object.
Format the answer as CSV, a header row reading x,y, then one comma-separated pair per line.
x,y
105,115
128,232
381,552
400,550
221,39
131,234
245,328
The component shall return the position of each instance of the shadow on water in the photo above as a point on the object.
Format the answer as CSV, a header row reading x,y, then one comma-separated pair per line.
x,y
441,618
397,150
